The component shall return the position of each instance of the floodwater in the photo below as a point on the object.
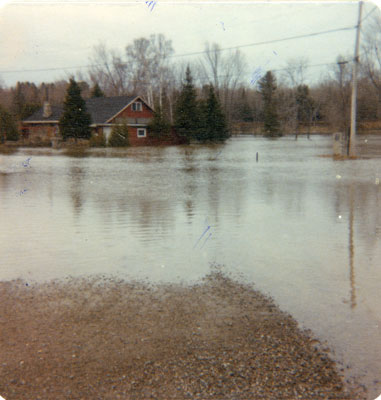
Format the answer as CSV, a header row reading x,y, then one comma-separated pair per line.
x,y
299,226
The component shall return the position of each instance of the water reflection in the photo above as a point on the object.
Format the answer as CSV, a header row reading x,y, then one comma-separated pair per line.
x,y
190,187
351,248
355,200
5,180
139,212
76,178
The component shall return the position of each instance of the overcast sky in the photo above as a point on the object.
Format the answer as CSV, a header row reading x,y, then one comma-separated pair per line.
x,y
50,35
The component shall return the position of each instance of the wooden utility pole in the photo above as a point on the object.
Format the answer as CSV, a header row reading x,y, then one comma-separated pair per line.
x,y
356,62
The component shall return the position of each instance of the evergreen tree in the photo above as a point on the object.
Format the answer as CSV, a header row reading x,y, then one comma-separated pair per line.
x,y
75,121
304,104
119,136
187,119
214,122
18,101
21,107
29,109
243,111
8,128
96,91
202,134
267,88
160,125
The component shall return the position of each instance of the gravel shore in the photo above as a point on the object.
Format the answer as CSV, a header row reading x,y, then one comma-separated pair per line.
x,y
108,339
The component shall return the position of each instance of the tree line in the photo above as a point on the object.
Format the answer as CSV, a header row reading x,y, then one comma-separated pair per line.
x,y
279,102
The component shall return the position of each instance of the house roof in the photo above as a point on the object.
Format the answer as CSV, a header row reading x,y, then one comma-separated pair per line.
x,y
101,109
39,115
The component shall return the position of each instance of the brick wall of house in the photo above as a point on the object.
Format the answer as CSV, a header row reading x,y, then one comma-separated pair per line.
x,y
129,113
171,139
38,134
134,140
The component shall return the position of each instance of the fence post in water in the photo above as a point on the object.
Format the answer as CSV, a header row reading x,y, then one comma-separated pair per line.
x,y
256,157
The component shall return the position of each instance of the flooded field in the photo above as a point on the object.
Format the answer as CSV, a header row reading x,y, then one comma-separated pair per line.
x,y
297,225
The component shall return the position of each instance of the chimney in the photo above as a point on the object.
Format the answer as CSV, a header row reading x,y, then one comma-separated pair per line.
x,y
47,110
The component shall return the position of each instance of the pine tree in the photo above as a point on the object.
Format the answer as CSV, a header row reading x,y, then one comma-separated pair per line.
x,y
202,134
24,100
29,109
267,88
187,118
96,91
304,103
244,111
160,125
75,121
8,128
214,122
18,101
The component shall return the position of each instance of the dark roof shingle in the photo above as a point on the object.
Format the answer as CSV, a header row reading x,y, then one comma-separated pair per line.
x,y
101,109
39,115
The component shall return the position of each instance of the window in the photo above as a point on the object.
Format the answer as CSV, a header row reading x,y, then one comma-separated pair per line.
x,y
137,106
142,132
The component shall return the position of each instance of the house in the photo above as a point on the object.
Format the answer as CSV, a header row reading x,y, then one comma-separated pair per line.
x,y
106,112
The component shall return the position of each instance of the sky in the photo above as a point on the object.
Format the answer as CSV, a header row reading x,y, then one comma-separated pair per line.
x,y
49,40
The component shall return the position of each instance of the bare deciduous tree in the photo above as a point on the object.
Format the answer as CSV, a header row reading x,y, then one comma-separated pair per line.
x,y
224,72
371,56
295,72
294,77
149,66
108,70
336,95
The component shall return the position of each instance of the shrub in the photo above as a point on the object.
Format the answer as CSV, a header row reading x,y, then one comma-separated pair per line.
x,y
119,136
97,140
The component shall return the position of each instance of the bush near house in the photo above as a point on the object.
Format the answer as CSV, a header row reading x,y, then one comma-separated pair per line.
x,y
119,136
97,140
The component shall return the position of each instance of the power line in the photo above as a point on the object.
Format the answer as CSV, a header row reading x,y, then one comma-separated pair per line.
x,y
49,69
199,52
308,66
205,79
271,41
370,12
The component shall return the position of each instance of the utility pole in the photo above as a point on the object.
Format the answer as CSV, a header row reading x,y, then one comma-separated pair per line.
x,y
352,136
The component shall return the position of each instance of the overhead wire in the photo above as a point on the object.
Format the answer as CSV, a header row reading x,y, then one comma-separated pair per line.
x,y
369,13
198,52
205,79
271,41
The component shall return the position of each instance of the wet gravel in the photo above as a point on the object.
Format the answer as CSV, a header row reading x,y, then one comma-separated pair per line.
x,y
108,339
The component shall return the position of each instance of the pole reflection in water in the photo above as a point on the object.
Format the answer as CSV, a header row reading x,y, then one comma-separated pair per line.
x,y
351,248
